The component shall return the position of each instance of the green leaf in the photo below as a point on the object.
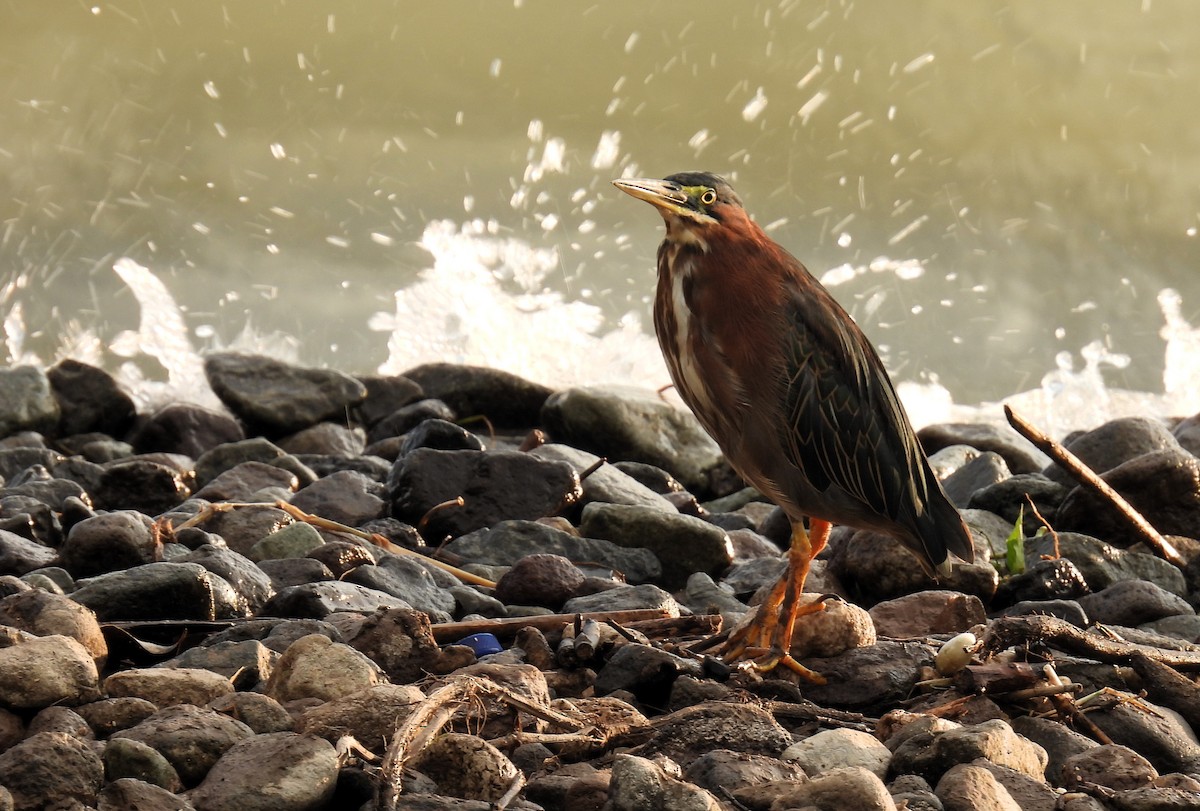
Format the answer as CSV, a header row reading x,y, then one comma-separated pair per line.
x,y
1015,546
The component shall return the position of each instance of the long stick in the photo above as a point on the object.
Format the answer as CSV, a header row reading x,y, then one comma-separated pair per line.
x,y
1087,477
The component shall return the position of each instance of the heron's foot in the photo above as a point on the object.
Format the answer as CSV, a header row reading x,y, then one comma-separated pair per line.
x,y
765,641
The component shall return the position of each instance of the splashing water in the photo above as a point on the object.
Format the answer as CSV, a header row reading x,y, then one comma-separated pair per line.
x,y
1181,372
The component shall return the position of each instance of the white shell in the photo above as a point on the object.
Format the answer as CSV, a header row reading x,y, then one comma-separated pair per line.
x,y
955,654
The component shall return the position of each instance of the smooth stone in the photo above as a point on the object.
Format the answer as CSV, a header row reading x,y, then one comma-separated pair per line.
x,y
45,670
191,738
38,484
1068,610
326,438
927,612
994,741
292,541
165,687
844,788
125,758
110,542
985,470
1057,579
624,598
627,424
13,460
109,715
316,667
276,396
1159,735
319,600
1018,453
441,435
229,455
1109,765
638,784
865,679
385,394
703,596
1114,443
19,556
140,484
243,664
508,541
89,400
240,528
644,671
243,480
27,401
968,787
287,572
51,770
261,713
496,486
346,497
405,419
724,769
127,793
1132,602
508,400
1162,486
249,581
278,771
1009,498
1059,741
343,557
157,591
47,614
408,580
540,579
835,748
842,626
184,428
683,544
60,719
1102,564
606,483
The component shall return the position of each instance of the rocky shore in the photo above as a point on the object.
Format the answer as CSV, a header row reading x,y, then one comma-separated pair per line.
x,y
456,589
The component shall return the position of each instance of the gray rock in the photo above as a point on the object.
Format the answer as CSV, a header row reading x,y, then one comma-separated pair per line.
x,y
1132,602
108,542
405,419
1159,735
409,581
624,424
60,719
109,715
835,748
27,402
51,770
316,667
384,396
191,738
125,758
915,792
1113,766
985,470
681,543
371,716
994,741
292,541
1102,565
242,481
969,787
724,769
20,556
508,541
229,455
343,557
1018,453
496,486
279,771
645,671
638,784
326,438
165,687
319,600
1160,485
37,483
276,396
346,497
186,429
261,713
466,766
1056,579
868,678
441,435
1029,793
844,788
249,581
507,400
139,484
288,572
1113,444
46,614
927,612
89,400
45,670
541,579
606,483
1068,610
241,529
243,664
14,460
703,596
1009,498
1059,741
127,793
185,591
624,598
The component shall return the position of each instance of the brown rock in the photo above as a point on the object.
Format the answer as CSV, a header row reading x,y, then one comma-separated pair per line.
x,y
269,772
45,614
314,666
165,687
928,612
466,766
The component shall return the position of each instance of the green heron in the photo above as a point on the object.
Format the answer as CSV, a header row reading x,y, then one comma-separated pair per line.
x,y
793,392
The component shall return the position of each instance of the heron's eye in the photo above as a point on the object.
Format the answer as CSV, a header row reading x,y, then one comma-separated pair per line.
x,y
709,197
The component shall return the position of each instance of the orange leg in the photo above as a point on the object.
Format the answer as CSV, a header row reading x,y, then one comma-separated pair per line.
x,y
773,622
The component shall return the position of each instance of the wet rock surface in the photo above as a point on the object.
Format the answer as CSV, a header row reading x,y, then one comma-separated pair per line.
x,y
160,649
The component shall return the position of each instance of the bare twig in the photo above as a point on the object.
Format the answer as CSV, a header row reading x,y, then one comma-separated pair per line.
x,y
1086,477
504,628
1037,514
1006,632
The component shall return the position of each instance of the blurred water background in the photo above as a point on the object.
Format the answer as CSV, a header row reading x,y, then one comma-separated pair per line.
x,y
1006,195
